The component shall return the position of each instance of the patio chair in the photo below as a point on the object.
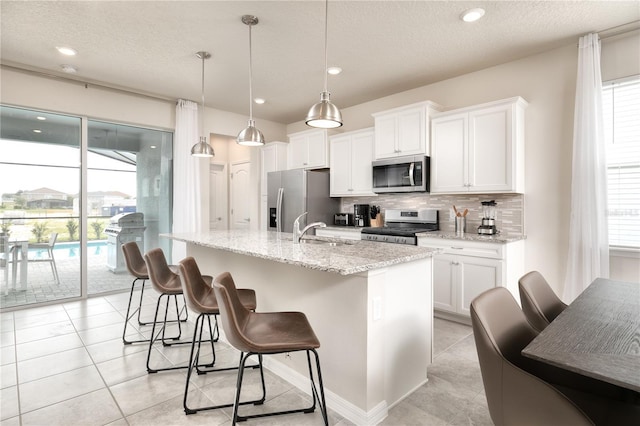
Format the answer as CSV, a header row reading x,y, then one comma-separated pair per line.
x,y
5,259
48,255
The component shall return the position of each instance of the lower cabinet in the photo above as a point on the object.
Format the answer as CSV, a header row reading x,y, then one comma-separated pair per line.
x,y
467,268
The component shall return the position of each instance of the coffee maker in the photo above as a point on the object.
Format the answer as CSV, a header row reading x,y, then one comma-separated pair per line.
x,y
488,224
361,215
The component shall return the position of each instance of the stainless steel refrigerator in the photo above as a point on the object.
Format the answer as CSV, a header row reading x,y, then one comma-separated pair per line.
x,y
293,192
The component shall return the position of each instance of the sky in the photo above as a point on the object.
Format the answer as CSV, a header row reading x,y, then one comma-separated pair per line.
x,y
33,166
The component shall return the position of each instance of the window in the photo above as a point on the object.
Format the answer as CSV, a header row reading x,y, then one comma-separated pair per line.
x,y
621,110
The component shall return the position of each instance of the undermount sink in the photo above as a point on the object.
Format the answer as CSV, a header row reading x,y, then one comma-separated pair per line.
x,y
322,242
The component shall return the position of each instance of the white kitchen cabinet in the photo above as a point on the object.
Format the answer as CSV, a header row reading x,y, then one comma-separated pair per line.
x,y
273,158
403,131
465,269
350,161
479,149
308,149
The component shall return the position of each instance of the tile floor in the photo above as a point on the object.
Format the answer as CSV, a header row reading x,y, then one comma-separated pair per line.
x,y
66,365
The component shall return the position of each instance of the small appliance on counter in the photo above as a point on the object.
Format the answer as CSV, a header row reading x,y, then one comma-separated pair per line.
x,y
362,215
376,217
343,219
488,224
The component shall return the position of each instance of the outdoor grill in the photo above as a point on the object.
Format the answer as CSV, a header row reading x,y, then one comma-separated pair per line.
x,y
123,228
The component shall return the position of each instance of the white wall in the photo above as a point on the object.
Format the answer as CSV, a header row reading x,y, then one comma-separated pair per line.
x,y
547,81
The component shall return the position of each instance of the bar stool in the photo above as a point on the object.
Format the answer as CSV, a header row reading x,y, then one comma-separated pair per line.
x,y
267,333
166,282
202,300
138,269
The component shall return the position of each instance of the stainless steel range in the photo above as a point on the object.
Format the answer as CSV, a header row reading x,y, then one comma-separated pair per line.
x,y
402,225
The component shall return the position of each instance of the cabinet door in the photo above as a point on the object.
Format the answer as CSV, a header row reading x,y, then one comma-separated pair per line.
x,y
340,164
317,150
272,159
490,149
386,137
444,287
411,137
448,153
298,152
476,275
361,158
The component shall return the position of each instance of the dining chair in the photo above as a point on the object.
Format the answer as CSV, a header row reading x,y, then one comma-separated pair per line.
x,y
539,303
522,391
46,254
266,333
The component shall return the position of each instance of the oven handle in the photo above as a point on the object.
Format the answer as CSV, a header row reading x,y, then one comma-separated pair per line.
x,y
411,172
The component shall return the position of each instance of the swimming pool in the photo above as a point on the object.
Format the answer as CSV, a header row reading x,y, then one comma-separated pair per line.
x,y
71,250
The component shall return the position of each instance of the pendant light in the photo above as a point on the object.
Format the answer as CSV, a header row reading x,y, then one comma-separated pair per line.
x,y
202,148
324,114
250,136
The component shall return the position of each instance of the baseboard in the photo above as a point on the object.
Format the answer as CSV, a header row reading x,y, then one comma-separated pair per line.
x,y
336,403
462,319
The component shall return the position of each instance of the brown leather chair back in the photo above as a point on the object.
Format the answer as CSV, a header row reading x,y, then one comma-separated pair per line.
x,y
197,293
539,303
134,261
163,279
233,314
514,396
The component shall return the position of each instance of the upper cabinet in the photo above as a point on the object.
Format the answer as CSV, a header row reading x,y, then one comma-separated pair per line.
x,y
403,131
273,158
351,157
479,149
309,149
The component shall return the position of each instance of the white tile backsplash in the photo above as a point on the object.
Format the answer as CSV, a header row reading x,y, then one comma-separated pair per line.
x,y
510,207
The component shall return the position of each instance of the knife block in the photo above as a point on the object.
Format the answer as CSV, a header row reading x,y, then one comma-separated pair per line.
x,y
377,222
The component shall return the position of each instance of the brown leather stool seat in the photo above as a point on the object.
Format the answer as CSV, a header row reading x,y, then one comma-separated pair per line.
x,y
201,299
165,281
138,269
257,333
539,303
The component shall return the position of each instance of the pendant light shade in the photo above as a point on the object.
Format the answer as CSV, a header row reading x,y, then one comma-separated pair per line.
x,y
250,136
202,148
324,114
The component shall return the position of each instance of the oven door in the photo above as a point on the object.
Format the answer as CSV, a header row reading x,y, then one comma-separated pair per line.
x,y
408,174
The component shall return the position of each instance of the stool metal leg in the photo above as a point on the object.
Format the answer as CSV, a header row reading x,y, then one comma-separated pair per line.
x,y
194,358
314,392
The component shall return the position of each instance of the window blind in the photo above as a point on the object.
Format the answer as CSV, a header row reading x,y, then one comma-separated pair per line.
x,y
621,113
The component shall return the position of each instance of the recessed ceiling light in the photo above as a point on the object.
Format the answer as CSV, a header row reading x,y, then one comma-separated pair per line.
x,y
152,147
259,101
68,51
69,68
41,118
37,131
472,15
334,70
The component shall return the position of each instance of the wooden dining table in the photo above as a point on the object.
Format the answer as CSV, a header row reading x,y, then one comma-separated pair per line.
x,y
597,335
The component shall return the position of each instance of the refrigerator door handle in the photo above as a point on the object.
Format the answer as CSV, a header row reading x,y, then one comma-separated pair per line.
x,y
279,210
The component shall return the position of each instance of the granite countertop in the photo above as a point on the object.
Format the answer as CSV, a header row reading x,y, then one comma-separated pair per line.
x,y
346,258
470,236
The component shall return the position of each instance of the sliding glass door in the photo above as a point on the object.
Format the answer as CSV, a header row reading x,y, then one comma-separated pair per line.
x,y
46,239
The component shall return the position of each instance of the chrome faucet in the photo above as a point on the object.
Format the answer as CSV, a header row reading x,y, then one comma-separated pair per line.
x,y
297,233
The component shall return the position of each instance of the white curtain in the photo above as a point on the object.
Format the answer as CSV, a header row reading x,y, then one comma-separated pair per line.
x,y
186,175
588,234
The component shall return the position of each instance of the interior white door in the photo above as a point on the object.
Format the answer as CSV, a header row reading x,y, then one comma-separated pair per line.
x,y
240,189
218,201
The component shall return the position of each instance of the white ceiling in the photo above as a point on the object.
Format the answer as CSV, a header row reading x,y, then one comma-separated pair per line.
x,y
384,47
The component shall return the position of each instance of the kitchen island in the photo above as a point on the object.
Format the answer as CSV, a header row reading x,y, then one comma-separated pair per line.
x,y
369,303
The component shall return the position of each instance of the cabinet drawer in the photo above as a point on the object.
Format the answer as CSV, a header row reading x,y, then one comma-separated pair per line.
x,y
464,248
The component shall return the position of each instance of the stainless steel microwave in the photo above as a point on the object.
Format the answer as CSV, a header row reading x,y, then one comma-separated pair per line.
x,y
401,174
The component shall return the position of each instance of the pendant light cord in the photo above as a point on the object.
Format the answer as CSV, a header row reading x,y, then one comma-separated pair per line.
x,y
326,38
250,78
202,112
